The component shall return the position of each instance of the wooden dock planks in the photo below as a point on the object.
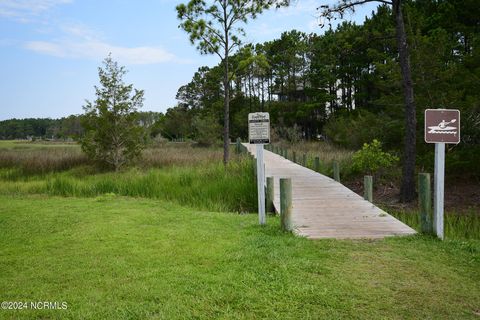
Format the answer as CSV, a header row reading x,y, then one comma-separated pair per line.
x,y
324,208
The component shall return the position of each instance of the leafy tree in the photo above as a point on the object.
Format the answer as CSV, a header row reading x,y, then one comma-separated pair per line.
x,y
113,136
203,90
177,123
407,192
214,27
208,130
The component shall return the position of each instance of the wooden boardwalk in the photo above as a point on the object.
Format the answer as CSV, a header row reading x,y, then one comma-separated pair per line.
x,y
324,208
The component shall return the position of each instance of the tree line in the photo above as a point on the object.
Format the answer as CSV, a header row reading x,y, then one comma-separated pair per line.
x,y
66,128
350,84
314,82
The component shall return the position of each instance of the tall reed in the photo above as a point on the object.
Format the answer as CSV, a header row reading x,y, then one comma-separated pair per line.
x,y
42,160
326,152
210,187
464,225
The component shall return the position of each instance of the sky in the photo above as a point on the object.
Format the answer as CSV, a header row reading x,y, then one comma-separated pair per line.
x,y
50,50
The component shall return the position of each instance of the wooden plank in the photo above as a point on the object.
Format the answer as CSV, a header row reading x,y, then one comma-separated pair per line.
x,y
323,208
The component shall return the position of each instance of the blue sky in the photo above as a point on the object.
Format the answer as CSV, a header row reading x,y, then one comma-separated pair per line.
x,y
50,49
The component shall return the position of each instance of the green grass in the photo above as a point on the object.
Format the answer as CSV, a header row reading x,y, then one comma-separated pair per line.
x,y
124,258
464,225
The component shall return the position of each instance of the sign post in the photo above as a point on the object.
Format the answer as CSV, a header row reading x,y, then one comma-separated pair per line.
x,y
259,134
441,126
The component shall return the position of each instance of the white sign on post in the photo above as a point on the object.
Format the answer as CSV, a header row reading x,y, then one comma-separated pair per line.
x,y
259,128
259,134
441,126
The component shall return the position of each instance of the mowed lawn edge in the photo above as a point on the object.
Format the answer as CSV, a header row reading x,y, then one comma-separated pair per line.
x,y
131,258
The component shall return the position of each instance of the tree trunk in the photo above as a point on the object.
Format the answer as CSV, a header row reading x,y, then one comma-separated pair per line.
x,y
226,86
226,114
263,93
407,190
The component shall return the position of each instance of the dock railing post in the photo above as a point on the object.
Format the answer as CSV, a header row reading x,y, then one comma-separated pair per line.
x,y
286,204
238,146
368,188
316,165
270,195
336,171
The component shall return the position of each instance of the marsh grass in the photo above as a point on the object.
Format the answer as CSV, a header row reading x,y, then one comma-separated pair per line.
x,y
326,152
32,158
176,172
179,154
42,160
210,187
458,225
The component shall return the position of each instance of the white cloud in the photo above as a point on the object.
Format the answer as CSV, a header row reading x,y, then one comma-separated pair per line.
x,y
97,50
80,42
23,10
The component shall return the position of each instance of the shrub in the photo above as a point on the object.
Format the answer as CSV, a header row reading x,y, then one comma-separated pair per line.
x,y
370,159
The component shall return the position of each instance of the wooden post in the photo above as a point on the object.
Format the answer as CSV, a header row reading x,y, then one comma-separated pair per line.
x,y
270,195
425,203
316,165
286,204
294,156
304,160
368,188
336,171
238,146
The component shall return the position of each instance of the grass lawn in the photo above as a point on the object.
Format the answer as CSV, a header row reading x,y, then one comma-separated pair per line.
x,y
127,258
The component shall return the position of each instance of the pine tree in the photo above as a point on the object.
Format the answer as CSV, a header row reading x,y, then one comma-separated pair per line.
x,y
113,137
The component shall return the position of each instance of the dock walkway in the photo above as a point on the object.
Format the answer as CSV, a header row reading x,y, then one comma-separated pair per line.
x,y
324,208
